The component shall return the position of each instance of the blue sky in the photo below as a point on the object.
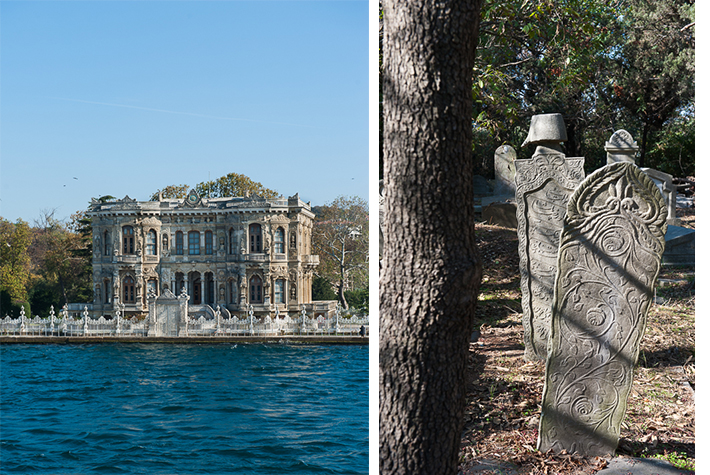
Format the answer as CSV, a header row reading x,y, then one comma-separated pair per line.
x,y
126,97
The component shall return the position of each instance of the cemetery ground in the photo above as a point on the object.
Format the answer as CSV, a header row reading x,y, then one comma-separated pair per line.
x,y
504,391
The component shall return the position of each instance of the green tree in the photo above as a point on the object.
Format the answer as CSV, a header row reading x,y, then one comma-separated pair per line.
x,y
430,272
15,261
171,192
654,76
233,184
59,255
340,238
322,289
359,299
543,57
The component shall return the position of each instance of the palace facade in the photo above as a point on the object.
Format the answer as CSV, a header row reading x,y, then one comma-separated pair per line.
x,y
232,252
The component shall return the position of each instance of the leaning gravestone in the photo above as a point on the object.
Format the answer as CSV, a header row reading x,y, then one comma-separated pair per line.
x,y
543,183
609,259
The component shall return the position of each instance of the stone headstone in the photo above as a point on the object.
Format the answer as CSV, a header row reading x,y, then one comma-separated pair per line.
x,y
501,214
543,183
481,186
665,185
505,170
609,259
621,147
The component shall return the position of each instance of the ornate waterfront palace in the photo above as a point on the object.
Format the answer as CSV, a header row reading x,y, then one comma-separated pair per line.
x,y
227,252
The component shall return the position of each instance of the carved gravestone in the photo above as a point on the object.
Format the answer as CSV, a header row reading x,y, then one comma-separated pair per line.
x,y
621,147
543,183
609,259
504,163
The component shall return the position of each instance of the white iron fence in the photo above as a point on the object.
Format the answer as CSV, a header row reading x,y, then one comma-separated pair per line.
x,y
217,325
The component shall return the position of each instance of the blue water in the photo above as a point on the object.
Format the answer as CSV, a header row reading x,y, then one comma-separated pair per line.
x,y
164,409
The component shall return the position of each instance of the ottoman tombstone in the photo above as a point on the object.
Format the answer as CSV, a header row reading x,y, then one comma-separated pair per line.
x,y
504,163
543,186
609,259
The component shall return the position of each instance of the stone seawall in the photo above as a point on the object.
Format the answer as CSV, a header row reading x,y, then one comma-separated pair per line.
x,y
284,340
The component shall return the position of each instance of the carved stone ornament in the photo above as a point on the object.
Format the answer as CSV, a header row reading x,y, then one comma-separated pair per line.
x,y
609,259
192,200
543,184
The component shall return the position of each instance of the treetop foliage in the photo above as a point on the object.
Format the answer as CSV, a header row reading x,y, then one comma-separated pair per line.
x,y
605,66
232,184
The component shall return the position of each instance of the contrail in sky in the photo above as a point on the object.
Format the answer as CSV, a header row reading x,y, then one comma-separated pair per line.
x,y
183,113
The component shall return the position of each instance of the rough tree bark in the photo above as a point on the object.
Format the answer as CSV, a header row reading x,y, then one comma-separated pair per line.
x,y
430,270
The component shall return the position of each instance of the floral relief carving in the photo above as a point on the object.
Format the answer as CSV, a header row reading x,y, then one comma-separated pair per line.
x,y
543,186
609,259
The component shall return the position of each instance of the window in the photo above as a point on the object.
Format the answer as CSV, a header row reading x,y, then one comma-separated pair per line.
x,y
279,291
153,287
151,240
279,241
232,291
107,243
254,238
128,240
232,241
128,290
107,291
255,289
178,243
208,242
193,242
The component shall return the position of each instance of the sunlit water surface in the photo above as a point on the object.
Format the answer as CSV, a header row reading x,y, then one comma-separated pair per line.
x,y
159,409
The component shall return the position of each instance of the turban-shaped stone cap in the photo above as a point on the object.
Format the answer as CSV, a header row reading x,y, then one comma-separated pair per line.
x,y
546,128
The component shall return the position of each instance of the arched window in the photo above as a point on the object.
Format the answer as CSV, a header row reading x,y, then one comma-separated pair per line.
x,y
128,240
178,243
208,242
193,243
255,289
150,243
254,238
232,241
107,243
129,290
279,296
279,241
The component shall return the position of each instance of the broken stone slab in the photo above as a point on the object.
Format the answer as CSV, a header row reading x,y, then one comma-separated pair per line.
x,y
608,262
641,466
544,183
680,246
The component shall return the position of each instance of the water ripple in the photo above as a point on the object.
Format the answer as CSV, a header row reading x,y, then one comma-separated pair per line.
x,y
156,409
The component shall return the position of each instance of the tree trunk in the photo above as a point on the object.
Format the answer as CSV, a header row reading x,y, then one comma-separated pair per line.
x,y
430,270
